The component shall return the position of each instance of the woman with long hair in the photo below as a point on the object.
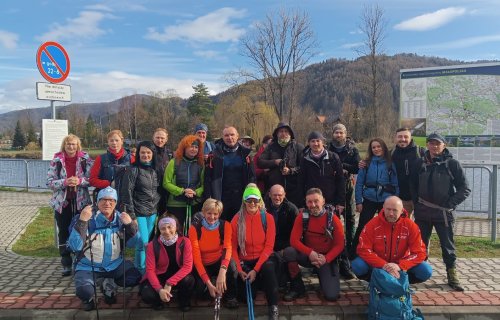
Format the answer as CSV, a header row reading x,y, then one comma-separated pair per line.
x,y
169,261
253,237
183,179
211,241
376,182
139,197
68,178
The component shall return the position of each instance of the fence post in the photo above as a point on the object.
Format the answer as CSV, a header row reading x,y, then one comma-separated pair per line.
x,y
494,178
27,175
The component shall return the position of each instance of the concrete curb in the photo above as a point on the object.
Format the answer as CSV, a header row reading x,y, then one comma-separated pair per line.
x,y
286,312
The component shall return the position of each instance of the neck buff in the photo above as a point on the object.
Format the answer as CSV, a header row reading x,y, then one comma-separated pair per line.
x,y
169,242
284,142
209,226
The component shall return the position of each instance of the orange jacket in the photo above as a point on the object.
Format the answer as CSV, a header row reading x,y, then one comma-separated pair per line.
x,y
259,243
208,249
382,242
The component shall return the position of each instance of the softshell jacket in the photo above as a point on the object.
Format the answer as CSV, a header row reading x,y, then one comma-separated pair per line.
x,y
371,181
259,242
284,218
440,181
214,170
180,175
208,249
382,242
105,237
157,266
404,159
348,155
315,237
325,174
139,191
56,181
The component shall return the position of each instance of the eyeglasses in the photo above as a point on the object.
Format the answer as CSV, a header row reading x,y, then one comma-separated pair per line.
x,y
254,201
107,200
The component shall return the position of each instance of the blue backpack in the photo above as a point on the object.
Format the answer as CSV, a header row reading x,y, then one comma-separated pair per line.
x,y
390,298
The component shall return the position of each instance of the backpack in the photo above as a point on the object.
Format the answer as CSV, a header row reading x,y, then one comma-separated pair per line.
x,y
329,218
390,298
196,223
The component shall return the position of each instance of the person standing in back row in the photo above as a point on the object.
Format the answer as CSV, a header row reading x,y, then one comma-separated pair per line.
x,y
438,186
404,155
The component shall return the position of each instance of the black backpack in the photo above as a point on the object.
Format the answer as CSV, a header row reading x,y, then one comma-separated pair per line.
x,y
329,227
196,223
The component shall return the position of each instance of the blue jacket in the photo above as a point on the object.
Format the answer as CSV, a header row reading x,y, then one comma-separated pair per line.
x,y
376,181
105,236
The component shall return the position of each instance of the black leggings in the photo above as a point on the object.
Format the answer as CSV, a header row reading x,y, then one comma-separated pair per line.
x,y
63,221
212,272
266,279
368,212
184,291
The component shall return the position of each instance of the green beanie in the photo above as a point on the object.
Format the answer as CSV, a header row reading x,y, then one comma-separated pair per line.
x,y
251,192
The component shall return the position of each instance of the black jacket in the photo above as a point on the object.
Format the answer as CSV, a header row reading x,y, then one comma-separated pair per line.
x,y
325,174
214,170
348,155
291,155
284,218
139,191
404,159
440,181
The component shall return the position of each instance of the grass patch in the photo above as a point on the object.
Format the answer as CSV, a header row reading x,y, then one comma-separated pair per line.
x,y
38,240
468,247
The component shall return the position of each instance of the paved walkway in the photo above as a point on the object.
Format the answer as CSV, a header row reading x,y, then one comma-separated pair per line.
x,y
32,287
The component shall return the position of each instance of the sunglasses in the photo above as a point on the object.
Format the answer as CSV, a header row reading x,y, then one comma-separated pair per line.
x,y
254,201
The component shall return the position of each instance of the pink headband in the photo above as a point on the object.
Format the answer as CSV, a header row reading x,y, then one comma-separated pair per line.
x,y
166,220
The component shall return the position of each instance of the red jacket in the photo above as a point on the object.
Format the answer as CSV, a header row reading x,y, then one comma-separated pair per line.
x,y
382,242
315,237
155,268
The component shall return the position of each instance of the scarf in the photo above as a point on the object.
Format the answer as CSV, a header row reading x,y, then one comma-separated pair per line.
x,y
169,242
209,226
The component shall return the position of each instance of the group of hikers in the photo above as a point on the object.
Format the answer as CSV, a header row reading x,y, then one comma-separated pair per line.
x,y
236,218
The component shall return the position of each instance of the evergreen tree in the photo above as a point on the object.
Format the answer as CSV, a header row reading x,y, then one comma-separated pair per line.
x,y
90,132
19,139
199,104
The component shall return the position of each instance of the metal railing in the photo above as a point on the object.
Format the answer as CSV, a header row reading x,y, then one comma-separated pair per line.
x,y
32,174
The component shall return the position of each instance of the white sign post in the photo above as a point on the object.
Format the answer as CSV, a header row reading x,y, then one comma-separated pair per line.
x,y
54,132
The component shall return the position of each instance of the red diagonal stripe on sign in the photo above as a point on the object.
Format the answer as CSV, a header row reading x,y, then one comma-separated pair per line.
x,y
53,61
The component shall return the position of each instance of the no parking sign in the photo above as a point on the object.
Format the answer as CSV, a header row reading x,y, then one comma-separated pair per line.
x,y
53,62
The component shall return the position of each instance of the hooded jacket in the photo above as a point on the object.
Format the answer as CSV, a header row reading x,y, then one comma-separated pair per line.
x,y
440,181
382,242
371,181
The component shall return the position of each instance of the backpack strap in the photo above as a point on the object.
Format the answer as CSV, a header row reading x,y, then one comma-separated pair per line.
x,y
156,249
305,223
198,225
263,217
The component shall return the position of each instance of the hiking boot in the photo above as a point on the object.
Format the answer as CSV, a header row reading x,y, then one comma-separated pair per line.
x,y
273,312
453,280
231,303
89,305
108,288
66,271
346,272
297,289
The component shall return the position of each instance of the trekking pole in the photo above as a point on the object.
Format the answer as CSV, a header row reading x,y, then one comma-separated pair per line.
x,y
187,222
93,275
217,307
124,271
249,300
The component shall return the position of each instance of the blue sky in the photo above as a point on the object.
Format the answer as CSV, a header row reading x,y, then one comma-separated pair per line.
x,y
122,47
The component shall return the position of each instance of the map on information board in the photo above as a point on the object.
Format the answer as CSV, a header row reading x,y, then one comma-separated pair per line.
x,y
460,102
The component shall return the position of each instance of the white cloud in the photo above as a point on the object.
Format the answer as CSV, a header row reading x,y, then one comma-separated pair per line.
x,y
209,54
464,43
98,7
431,20
8,39
86,26
352,45
213,27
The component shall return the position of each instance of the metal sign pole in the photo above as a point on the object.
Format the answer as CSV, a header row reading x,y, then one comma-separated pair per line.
x,y
53,109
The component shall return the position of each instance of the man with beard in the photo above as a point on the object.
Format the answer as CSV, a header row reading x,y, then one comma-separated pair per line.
x,y
404,155
282,158
348,154
317,240
201,131
228,170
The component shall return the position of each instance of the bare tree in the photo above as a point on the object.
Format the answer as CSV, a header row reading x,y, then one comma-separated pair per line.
x,y
279,46
373,26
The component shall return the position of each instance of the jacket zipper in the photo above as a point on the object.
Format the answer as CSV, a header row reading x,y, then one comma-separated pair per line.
x,y
390,248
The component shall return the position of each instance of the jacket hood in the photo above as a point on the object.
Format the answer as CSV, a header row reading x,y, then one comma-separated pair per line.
x,y
283,125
